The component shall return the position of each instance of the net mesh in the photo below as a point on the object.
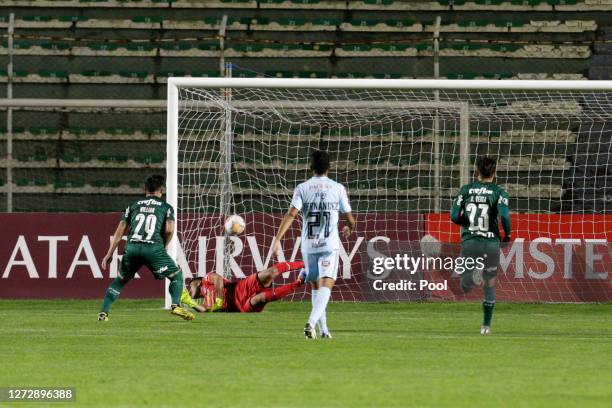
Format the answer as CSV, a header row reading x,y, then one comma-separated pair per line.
x,y
403,155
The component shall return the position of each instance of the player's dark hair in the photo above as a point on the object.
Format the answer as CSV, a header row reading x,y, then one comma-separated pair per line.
x,y
486,166
319,161
154,182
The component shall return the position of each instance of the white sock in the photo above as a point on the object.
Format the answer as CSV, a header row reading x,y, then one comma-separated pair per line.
x,y
320,304
323,322
313,298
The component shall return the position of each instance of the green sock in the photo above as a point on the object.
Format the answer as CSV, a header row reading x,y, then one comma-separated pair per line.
x,y
112,293
176,288
467,282
488,305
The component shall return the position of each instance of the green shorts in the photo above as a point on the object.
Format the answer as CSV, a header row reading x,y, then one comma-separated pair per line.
x,y
486,249
153,256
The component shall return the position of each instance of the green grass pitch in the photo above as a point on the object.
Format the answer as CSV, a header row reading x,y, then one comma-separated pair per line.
x,y
382,355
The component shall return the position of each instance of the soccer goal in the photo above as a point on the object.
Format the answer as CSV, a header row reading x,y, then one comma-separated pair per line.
x,y
402,148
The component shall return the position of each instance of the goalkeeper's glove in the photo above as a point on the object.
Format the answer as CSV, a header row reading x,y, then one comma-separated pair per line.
x,y
218,305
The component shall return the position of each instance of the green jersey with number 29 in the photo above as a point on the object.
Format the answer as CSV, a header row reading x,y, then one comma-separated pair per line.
x,y
477,208
147,219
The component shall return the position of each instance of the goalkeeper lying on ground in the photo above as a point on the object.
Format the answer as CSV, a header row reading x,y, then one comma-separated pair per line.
x,y
245,295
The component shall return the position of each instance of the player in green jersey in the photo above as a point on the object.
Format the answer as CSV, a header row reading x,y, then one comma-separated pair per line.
x,y
477,209
149,223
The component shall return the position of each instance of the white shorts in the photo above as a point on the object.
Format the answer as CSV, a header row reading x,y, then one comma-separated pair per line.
x,y
321,265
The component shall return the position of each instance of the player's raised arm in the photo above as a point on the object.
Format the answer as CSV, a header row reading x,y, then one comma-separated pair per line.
x,y
285,224
294,209
457,213
119,232
504,214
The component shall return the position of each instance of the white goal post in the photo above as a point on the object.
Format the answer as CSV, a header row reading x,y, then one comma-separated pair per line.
x,y
403,146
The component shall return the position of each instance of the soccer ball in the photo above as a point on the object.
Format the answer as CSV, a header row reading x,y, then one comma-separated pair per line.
x,y
234,225
430,246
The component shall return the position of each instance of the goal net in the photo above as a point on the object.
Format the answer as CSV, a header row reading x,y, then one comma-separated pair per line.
x,y
402,148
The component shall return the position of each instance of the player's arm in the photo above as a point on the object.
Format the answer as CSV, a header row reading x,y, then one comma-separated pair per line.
x,y
168,232
282,230
294,209
457,214
504,214
351,223
119,232
169,226
345,208
217,281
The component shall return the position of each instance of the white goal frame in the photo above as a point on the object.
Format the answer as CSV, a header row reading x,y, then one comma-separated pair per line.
x,y
174,84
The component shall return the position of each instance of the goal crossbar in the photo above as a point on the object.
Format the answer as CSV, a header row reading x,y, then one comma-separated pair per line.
x,y
414,84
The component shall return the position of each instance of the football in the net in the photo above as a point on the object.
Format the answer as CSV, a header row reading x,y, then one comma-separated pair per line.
x,y
234,225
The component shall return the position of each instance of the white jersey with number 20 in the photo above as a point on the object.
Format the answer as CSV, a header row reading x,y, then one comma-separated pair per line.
x,y
321,200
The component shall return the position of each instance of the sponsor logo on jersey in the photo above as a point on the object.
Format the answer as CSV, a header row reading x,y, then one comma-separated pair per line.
x,y
481,190
150,201
325,263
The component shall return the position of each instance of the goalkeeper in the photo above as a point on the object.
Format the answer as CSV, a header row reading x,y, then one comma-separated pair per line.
x,y
245,295
476,209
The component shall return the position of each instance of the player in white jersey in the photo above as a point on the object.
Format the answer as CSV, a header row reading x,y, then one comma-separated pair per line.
x,y
320,200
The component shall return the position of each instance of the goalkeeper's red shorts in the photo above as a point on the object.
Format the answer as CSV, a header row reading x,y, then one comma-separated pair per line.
x,y
238,300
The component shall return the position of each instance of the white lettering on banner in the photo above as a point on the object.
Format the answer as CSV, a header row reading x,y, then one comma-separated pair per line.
x,y
542,257
516,250
568,252
113,267
90,260
220,250
183,264
591,257
259,265
281,255
202,250
53,240
26,259
346,259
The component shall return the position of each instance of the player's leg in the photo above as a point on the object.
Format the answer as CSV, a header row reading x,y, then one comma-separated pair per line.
x,y
256,303
322,323
490,278
267,276
192,292
488,304
312,276
163,266
251,294
327,265
472,276
130,263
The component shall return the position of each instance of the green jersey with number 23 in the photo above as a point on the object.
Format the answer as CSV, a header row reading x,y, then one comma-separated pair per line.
x,y
478,206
